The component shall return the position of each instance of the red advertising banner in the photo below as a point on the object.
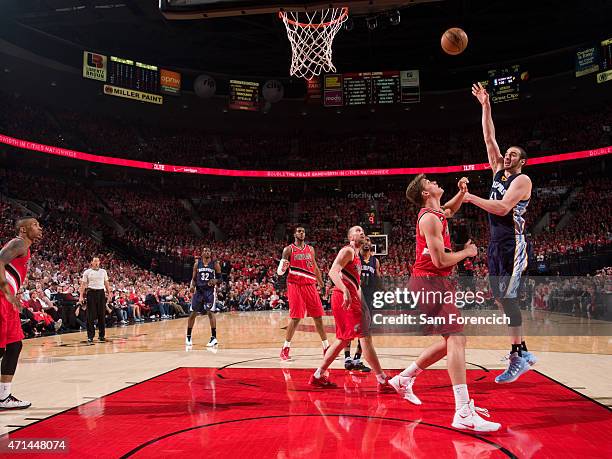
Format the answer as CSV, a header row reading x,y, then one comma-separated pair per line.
x,y
51,150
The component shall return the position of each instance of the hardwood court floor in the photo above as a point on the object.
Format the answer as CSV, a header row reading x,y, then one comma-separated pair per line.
x,y
61,372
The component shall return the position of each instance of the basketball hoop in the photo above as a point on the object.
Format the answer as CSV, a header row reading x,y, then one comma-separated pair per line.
x,y
311,36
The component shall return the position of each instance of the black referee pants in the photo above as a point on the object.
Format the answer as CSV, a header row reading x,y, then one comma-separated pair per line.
x,y
96,309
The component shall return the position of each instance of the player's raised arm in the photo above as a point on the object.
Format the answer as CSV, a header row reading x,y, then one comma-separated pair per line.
x,y
520,189
453,205
431,227
496,160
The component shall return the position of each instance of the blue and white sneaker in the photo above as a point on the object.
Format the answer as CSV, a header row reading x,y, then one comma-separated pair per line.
x,y
516,367
530,358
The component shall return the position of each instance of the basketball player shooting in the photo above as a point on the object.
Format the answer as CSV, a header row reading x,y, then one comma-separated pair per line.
x,y
14,260
303,297
509,249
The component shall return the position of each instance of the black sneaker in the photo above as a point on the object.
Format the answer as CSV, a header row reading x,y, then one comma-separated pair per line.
x,y
89,340
102,339
348,364
359,366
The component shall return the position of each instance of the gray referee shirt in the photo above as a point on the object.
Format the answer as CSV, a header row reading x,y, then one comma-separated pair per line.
x,y
94,278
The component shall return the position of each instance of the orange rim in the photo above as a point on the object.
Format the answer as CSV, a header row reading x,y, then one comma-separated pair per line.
x,y
284,17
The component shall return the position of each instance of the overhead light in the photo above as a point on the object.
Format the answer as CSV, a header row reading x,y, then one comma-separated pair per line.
x,y
395,17
372,22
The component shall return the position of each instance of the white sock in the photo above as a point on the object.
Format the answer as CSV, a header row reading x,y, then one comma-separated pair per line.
x,y
462,397
317,373
381,377
287,344
325,344
412,371
5,390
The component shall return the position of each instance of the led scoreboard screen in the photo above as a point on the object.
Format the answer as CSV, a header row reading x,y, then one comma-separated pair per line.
x,y
244,95
504,84
126,73
371,88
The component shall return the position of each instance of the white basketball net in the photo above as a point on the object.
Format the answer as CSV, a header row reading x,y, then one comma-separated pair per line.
x,y
311,36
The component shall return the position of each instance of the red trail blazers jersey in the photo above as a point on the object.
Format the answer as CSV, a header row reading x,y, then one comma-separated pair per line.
x,y
301,266
423,266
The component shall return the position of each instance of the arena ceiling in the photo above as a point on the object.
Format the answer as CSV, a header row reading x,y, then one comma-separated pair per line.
x,y
499,31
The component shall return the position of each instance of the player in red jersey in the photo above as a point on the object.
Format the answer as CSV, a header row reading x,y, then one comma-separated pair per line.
x,y
14,258
302,293
347,307
434,262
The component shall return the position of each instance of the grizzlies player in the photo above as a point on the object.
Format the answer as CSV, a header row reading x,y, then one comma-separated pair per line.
x,y
508,252
370,269
206,274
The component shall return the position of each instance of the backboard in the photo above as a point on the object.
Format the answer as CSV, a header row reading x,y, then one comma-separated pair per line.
x,y
204,9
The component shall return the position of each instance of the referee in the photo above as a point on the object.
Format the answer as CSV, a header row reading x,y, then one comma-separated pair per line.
x,y
94,281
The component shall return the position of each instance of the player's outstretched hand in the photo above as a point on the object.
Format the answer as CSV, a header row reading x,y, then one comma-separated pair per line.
x,y
462,184
480,93
470,248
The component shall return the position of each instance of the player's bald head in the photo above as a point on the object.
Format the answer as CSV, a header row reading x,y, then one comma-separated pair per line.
x,y
352,230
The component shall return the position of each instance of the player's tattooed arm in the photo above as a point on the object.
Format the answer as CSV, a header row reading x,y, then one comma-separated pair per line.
x,y
14,249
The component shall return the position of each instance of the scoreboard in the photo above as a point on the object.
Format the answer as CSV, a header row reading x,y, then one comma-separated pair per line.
x,y
130,79
595,58
371,88
505,84
128,74
244,95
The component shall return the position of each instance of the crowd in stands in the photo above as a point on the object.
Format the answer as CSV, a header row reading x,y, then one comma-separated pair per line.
x,y
582,296
298,151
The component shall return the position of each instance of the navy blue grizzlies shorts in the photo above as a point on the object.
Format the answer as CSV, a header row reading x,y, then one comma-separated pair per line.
x,y
508,263
202,300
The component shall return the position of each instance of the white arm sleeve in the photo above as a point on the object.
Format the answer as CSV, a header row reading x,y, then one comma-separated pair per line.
x,y
281,269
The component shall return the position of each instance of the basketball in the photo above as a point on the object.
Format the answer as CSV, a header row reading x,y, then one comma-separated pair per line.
x,y
454,41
